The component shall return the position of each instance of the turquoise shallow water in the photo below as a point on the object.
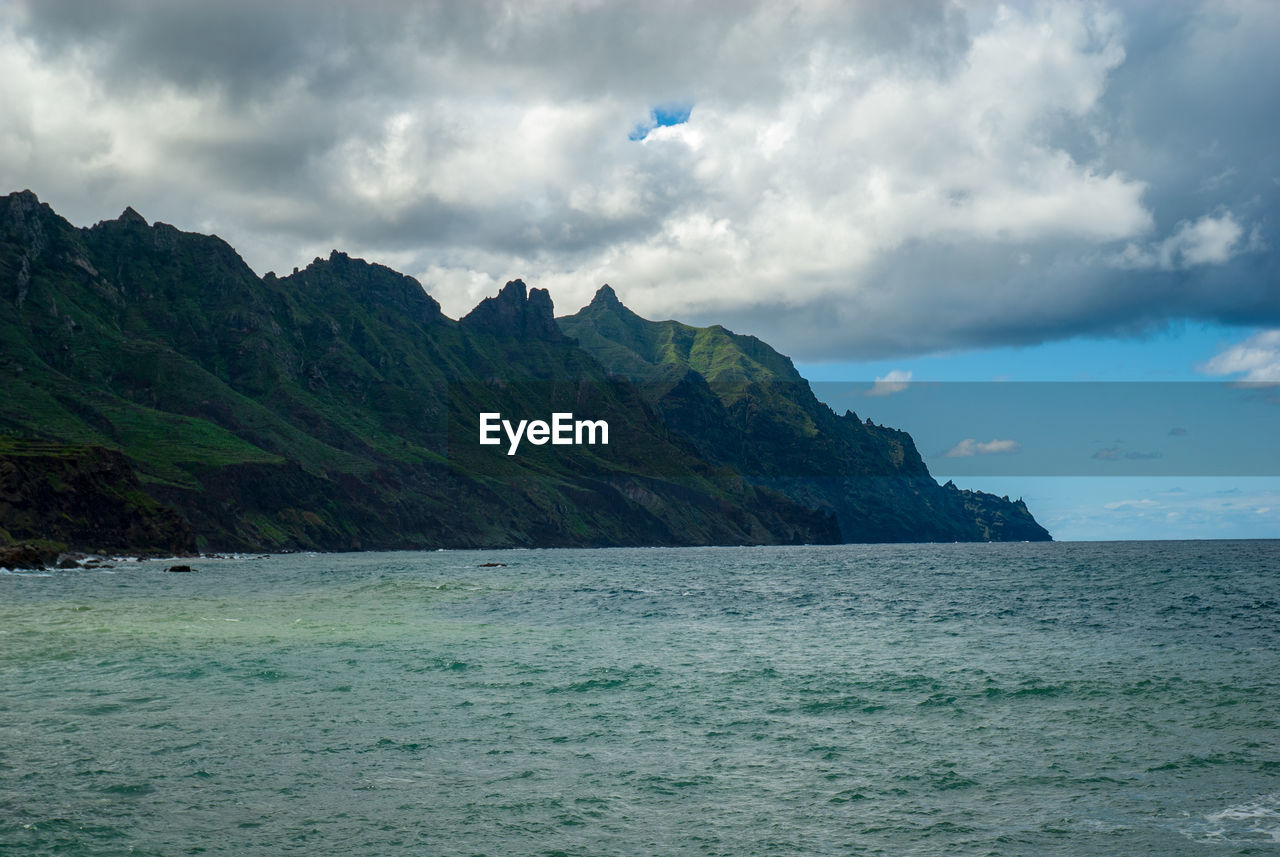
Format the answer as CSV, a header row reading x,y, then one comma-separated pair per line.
x,y
1099,699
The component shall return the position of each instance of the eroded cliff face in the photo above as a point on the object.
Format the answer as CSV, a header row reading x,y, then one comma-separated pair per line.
x,y
87,498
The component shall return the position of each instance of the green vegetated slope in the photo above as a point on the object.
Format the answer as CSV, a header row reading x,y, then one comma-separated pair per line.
x,y
334,408
743,405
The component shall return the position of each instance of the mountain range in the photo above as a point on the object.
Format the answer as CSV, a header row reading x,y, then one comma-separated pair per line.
x,y
159,396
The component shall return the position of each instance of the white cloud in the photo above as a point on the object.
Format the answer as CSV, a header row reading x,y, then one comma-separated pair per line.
x,y
1117,453
1210,240
854,178
1257,359
862,157
1209,514
1130,504
1207,241
893,381
970,447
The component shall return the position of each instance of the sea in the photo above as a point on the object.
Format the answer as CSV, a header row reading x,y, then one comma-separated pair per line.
x,y
977,699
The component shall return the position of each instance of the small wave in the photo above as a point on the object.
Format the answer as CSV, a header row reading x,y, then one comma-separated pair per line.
x,y
844,703
443,663
410,586
848,796
130,789
948,780
1257,820
589,685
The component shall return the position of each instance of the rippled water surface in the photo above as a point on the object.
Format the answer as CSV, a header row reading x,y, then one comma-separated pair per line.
x,y
1100,699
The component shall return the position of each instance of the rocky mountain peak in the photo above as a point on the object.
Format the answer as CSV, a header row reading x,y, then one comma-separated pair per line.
x,y
514,292
341,277
131,216
606,298
516,311
24,199
22,215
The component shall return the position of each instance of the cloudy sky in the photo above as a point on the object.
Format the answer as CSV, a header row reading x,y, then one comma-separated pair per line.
x,y
865,185
853,180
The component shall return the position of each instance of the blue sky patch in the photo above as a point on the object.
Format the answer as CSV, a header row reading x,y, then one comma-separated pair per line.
x,y
675,113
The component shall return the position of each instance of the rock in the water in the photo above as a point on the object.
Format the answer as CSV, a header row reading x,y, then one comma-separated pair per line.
x,y
26,556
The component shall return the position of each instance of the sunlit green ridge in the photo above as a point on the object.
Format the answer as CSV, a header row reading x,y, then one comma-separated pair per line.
x,y
744,405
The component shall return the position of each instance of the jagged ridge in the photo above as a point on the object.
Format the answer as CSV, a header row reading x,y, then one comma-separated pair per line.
x,y
336,407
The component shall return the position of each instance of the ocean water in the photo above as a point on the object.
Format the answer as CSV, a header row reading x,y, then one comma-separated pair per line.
x,y
1018,699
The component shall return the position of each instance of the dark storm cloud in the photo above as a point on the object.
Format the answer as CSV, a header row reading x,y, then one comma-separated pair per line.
x,y
243,48
864,180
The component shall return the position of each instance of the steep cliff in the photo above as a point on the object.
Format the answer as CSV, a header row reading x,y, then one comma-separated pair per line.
x,y
743,405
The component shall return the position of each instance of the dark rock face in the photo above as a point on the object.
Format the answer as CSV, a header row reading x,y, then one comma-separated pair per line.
x,y
22,221
999,518
374,286
606,298
26,556
87,497
517,313
130,216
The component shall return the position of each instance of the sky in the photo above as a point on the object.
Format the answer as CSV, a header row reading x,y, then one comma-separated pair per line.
x,y
1051,191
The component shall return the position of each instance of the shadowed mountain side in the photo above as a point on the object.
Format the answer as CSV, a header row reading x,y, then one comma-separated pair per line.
x,y
87,497
335,408
742,405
